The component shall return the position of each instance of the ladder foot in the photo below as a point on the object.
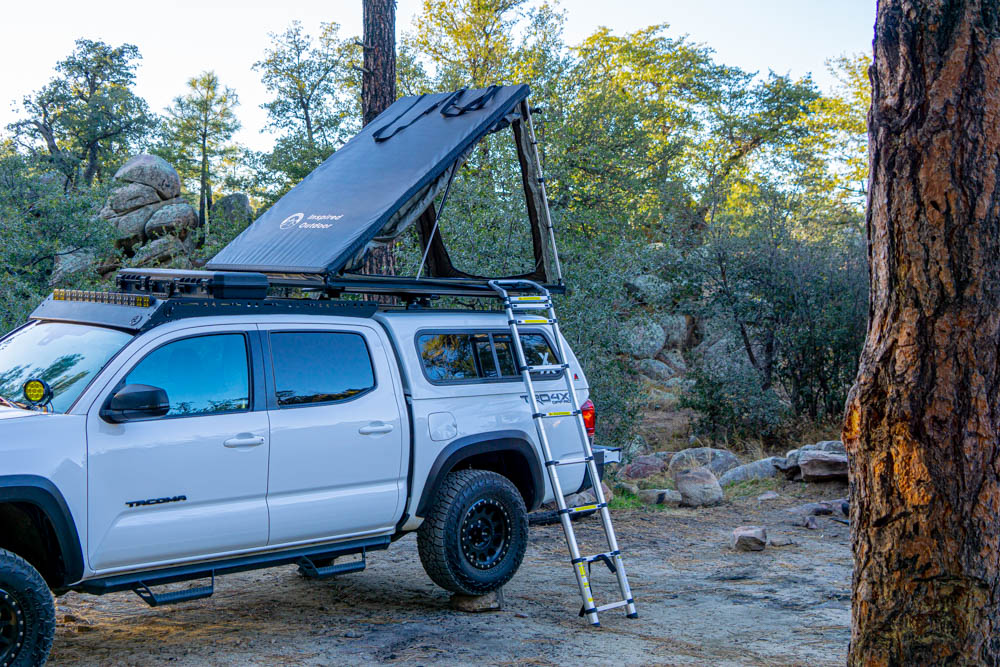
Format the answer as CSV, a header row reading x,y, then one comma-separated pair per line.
x,y
635,615
596,624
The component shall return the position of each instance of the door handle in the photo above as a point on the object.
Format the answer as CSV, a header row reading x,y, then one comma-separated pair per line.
x,y
244,440
375,428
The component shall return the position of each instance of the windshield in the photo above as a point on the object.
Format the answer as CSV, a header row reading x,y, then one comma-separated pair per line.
x,y
67,356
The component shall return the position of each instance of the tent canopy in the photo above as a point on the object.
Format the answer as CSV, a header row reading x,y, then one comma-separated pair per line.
x,y
380,182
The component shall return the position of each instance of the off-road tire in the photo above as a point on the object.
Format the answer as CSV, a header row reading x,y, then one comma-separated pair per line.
x,y
444,552
28,598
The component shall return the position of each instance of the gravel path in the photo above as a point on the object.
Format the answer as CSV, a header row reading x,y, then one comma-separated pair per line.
x,y
699,601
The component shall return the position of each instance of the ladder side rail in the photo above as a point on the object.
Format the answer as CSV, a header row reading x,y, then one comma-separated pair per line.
x,y
583,582
602,503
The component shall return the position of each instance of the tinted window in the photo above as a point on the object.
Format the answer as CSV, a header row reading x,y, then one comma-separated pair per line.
x,y
65,355
469,356
320,367
448,356
202,376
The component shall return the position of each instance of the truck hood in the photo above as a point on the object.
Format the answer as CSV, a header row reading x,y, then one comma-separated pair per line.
x,y
14,413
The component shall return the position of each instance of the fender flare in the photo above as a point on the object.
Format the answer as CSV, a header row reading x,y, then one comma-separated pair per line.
x,y
482,443
44,495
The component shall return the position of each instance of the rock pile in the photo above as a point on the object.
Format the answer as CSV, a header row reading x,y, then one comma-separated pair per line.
x,y
152,221
656,343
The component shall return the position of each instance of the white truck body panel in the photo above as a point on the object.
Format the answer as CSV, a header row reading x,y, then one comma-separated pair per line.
x,y
315,478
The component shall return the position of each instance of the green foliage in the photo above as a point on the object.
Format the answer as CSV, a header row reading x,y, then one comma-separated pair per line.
x,y
197,132
315,103
87,120
41,219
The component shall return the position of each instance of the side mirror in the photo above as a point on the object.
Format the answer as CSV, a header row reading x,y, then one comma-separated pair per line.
x,y
135,402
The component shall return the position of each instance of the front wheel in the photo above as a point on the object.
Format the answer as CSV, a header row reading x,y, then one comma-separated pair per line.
x,y
474,537
27,614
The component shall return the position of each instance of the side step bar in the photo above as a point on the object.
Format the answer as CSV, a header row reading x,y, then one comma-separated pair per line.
x,y
132,581
309,569
158,600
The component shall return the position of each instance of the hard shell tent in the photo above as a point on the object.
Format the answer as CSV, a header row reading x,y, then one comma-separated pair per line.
x,y
385,179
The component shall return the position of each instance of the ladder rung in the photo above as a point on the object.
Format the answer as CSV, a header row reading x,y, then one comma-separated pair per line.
x,y
569,462
583,508
542,305
552,415
612,605
531,320
545,368
528,299
596,557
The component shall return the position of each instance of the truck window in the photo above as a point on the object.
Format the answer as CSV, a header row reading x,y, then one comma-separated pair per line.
x,y
67,356
320,367
202,376
456,357
537,352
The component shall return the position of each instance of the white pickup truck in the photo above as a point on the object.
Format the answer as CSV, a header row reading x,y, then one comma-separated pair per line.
x,y
148,440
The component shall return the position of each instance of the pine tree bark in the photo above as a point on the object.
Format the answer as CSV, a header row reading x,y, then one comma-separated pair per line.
x,y
378,92
923,418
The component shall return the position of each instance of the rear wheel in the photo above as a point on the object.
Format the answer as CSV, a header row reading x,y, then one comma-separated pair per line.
x,y
474,537
27,614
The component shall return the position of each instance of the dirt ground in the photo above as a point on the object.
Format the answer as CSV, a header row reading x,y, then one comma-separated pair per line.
x,y
700,603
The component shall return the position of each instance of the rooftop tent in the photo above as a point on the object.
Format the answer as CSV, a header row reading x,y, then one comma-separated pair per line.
x,y
385,179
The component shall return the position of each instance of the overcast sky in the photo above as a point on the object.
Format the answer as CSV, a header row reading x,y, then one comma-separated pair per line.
x,y
179,38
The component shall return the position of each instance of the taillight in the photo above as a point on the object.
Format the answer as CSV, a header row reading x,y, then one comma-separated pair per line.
x,y
589,417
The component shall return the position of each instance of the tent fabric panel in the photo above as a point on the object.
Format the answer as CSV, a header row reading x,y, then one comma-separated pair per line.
x,y
326,220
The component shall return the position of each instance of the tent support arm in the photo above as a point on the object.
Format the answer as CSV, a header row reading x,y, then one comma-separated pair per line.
x,y
542,232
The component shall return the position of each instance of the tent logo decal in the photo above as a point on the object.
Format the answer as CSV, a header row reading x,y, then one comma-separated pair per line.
x,y
292,221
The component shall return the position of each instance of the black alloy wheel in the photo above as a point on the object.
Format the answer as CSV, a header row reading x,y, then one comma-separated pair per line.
x,y
486,534
474,536
12,628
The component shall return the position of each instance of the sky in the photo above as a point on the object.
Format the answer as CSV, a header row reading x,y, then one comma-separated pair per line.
x,y
180,38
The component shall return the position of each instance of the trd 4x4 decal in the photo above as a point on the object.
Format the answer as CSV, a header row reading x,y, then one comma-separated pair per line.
x,y
549,398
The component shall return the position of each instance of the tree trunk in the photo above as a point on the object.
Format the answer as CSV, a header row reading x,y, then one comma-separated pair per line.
x,y
923,418
203,185
378,92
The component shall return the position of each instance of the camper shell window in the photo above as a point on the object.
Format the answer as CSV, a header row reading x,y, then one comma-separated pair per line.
x,y
450,357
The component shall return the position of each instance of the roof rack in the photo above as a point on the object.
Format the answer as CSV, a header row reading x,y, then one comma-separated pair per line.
x,y
171,283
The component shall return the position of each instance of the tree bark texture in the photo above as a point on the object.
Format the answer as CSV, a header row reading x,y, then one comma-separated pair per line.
x,y
923,418
378,92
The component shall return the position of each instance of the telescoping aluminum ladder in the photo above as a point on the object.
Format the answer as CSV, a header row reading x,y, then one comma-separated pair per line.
x,y
525,310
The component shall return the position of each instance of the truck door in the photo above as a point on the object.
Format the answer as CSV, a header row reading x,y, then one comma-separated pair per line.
x,y
338,439
192,483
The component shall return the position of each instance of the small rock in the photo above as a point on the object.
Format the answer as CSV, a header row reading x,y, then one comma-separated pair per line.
x,y
762,469
131,196
648,288
644,466
655,370
749,538
820,466
173,219
781,542
627,487
832,446
152,171
676,328
719,461
698,487
608,493
767,495
813,509
675,360
352,634
492,601
667,497
642,338
234,209
809,522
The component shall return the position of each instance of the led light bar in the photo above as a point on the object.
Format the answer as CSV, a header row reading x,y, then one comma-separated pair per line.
x,y
112,298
